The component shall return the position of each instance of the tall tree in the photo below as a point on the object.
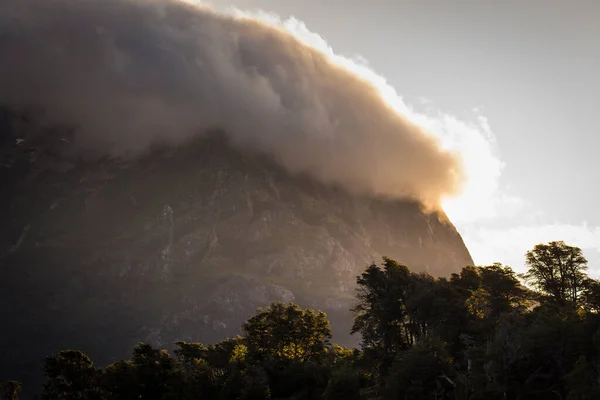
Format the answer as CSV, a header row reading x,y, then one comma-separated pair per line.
x,y
381,316
504,291
557,271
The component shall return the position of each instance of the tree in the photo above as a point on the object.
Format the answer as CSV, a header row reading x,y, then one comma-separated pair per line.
x,y
70,375
200,379
381,316
120,381
287,332
435,308
290,345
468,280
188,353
472,336
557,271
591,296
504,292
155,371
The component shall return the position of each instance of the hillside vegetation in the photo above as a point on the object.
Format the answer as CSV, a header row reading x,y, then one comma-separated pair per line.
x,y
478,334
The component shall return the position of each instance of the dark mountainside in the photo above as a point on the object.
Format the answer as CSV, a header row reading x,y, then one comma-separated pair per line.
x,y
183,243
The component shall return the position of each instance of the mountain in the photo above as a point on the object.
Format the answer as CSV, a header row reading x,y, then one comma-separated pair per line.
x,y
181,243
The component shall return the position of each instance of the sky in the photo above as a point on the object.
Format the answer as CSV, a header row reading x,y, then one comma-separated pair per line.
x,y
524,74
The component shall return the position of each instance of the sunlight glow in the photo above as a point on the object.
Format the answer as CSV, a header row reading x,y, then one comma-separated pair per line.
x,y
473,142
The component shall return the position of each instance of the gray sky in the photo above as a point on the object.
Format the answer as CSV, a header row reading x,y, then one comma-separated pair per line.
x,y
529,67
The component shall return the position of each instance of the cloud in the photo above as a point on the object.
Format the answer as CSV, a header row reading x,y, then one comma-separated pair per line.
x,y
497,225
480,197
130,73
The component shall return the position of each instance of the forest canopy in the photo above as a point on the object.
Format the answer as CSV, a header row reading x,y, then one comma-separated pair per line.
x,y
482,333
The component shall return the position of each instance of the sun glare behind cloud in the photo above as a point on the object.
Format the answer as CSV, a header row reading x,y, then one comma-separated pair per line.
x,y
473,142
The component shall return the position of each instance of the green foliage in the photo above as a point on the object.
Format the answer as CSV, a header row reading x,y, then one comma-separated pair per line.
x,y
287,332
480,334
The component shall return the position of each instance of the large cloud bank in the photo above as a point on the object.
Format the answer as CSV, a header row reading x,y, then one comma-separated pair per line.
x,y
129,73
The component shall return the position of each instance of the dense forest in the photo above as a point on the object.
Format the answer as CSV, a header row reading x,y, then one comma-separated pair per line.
x,y
482,333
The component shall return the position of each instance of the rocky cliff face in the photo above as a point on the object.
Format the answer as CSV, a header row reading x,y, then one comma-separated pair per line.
x,y
183,244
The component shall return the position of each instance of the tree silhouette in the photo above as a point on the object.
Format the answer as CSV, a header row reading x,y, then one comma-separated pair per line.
x,y
381,315
477,335
558,271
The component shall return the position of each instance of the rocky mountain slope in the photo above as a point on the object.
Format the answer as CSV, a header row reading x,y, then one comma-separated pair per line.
x,y
183,243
